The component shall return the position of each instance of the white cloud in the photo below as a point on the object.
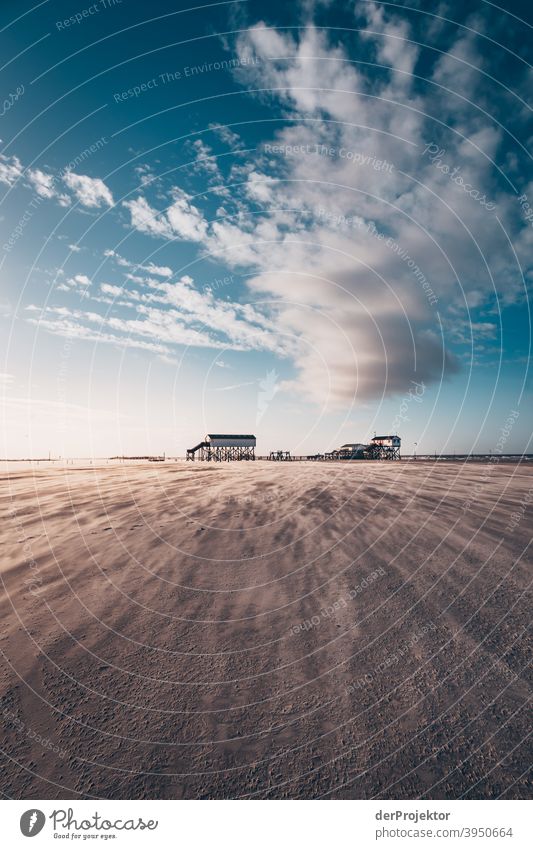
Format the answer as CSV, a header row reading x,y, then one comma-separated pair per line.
x,y
394,48
205,159
150,267
148,220
113,291
185,219
158,270
359,294
42,183
10,169
79,281
311,74
260,187
91,192
145,174
181,219
226,134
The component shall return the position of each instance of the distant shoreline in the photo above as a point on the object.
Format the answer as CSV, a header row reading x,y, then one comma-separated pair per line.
x,y
296,459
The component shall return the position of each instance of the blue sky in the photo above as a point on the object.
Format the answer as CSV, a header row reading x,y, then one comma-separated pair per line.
x,y
309,221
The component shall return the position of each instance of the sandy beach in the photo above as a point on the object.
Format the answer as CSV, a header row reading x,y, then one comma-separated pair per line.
x,y
266,630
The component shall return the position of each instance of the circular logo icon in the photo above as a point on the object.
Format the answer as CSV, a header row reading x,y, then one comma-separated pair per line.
x,y
32,822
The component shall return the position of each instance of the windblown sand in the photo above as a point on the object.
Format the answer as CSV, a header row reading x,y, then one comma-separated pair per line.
x,y
269,630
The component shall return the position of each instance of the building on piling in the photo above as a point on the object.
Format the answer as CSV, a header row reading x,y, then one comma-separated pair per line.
x,y
380,448
351,451
384,447
224,446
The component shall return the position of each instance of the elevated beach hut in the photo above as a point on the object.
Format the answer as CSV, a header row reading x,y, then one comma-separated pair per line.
x,y
224,446
384,447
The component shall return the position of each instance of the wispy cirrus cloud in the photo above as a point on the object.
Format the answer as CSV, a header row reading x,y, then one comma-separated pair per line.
x,y
150,267
339,218
356,223
165,313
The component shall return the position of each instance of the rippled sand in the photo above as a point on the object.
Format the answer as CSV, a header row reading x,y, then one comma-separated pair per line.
x,y
276,630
